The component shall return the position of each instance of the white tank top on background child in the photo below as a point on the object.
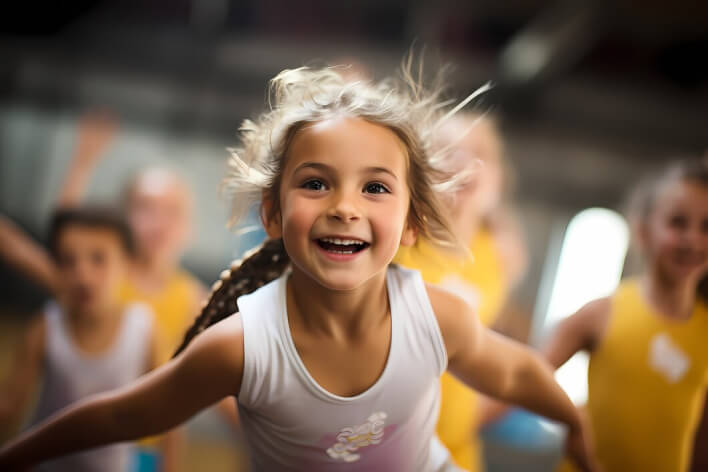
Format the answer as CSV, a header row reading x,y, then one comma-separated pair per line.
x,y
70,375
293,424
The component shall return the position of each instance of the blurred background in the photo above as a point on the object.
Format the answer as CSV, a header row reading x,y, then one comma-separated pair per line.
x,y
590,95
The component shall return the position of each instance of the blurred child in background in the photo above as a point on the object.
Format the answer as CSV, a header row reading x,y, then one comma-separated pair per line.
x,y
647,341
158,205
87,340
498,260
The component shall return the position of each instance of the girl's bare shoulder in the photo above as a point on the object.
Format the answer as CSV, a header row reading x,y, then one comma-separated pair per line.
x,y
220,347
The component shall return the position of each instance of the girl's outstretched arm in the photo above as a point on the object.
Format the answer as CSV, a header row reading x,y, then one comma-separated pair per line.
x,y
506,370
207,371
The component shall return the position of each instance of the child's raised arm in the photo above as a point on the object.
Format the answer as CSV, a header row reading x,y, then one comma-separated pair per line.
x,y
208,370
24,254
506,370
95,131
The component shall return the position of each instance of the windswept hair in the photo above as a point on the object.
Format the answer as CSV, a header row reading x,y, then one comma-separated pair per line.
x,y
303,96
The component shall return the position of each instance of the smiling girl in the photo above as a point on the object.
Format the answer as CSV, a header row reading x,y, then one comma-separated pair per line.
x,y
336,356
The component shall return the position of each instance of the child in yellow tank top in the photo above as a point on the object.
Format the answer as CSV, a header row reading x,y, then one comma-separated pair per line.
x,y
497,259
480,281
648,353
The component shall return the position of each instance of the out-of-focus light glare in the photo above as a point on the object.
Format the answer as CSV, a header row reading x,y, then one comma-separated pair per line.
x,y
589,267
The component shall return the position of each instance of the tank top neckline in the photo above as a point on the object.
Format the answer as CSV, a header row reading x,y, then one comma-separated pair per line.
x,y
656,315
299,365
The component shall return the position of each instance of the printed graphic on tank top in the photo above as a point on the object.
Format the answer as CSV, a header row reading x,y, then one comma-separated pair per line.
x,y
667,358
294,424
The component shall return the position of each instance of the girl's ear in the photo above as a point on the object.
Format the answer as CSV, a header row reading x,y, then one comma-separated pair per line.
x,y
270,219
410,235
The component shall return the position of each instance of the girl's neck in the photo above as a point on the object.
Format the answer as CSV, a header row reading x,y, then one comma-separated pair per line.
x,y
337,313
672,299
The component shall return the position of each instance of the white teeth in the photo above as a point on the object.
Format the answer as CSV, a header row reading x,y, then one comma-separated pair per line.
x,y
342,241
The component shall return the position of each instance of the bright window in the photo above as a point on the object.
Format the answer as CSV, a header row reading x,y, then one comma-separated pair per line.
x,y
589,267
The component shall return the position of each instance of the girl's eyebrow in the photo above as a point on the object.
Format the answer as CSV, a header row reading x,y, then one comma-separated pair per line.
x,y
313,165
377,170
329,169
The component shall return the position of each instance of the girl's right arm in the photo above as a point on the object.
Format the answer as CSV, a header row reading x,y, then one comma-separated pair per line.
x,y
207,371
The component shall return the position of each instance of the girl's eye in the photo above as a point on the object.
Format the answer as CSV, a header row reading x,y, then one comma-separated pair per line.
x,y
376,187
314,184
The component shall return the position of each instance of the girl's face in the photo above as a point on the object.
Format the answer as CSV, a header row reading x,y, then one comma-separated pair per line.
x,y
344,201
676,233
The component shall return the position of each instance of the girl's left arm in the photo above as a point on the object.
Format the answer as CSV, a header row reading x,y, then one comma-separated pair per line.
x,y
506,370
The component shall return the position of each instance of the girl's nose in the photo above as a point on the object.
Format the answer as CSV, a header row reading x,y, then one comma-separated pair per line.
x,y
343,208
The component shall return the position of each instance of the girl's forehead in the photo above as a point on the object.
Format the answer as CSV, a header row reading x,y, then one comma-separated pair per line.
x,y
347,140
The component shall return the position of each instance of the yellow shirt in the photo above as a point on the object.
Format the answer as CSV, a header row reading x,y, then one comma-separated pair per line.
x,y
173,307
174,312
646,385
480,281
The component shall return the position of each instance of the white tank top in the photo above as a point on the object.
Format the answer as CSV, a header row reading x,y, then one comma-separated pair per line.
x,y
70,375
293,424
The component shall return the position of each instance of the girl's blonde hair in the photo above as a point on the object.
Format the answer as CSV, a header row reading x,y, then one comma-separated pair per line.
x,y
303,96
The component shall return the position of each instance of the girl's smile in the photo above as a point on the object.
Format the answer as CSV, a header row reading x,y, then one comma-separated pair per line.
x,y
341,248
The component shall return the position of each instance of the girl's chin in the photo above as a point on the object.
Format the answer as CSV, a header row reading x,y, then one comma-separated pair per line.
x,y
341,284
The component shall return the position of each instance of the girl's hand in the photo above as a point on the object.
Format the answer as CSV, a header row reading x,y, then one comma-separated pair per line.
x,y
579,447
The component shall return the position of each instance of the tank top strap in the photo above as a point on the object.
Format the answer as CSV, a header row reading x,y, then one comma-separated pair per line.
x,y
58,342
408,293
262,343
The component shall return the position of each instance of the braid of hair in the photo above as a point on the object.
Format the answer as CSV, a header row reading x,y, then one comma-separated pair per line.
x,y
258,268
